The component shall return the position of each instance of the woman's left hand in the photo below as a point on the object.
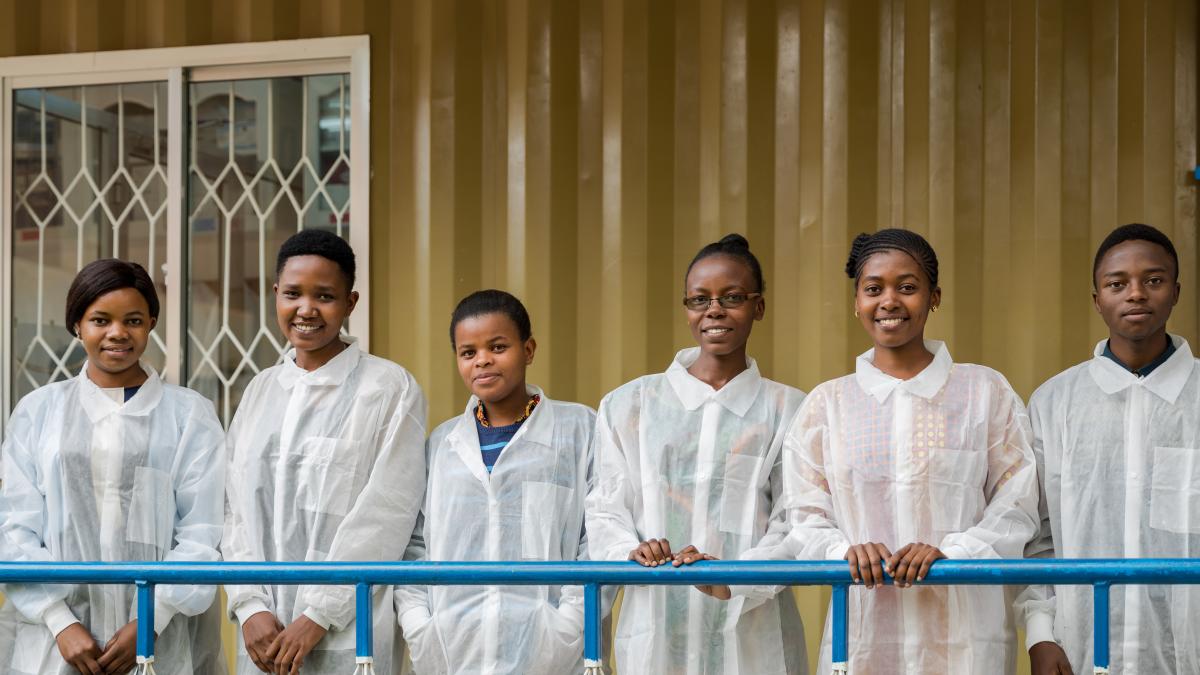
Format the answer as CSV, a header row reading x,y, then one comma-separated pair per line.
x,y
691,554
911,563
293,644
119,655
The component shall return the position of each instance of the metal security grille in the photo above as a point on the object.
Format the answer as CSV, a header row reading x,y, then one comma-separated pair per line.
x,y
268,157
89,181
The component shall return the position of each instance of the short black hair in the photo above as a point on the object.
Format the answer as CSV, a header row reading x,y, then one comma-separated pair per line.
x,y
1134,232
105,276
892,239
319,242
734,246
491,301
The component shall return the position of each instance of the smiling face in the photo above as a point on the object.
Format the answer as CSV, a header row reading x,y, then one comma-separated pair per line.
x,y
492,358
893,297
1136,289
114,331
312,301
718,330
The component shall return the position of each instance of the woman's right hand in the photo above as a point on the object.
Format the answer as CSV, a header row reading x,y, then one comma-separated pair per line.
x,y
866,563
1048,658
79,650
258,632
652,553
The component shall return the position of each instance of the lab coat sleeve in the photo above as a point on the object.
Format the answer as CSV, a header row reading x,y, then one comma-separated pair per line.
x,y
611,502
380,524
570,599
237,542
199,483
772,546
813,532
1010,517
412,601
24,522
1035,605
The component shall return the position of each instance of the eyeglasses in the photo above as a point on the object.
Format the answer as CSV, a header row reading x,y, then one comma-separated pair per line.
x,y
697,303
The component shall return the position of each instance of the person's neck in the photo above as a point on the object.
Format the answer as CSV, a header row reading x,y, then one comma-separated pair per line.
x,y
716,370
509,409
133,376
311,360
904,362
1137,354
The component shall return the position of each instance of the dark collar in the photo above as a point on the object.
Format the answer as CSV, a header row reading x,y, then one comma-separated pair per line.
x,y
1149,367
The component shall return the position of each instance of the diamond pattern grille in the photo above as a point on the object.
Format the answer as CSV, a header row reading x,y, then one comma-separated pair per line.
x,y
89,177
267,158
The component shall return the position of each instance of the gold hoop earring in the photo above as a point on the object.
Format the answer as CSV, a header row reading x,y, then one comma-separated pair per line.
x,y
933,308
856,313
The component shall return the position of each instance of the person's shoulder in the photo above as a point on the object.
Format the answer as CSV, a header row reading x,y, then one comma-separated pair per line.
x,y
1063,381
187,399
571,409
387,373
45,397
442,430
631,391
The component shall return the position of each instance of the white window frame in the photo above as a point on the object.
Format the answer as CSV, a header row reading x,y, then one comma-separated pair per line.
x,y
178,67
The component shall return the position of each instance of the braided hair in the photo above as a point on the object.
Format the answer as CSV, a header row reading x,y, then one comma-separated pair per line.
x,y
892,239
734,246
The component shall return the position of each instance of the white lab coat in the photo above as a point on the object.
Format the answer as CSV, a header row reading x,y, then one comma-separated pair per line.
x,y
90,479
529,508
677,460
1119,458
943,458
327,465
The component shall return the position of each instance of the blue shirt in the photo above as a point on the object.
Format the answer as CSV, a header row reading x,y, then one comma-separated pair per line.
x,y
1149,367
492,440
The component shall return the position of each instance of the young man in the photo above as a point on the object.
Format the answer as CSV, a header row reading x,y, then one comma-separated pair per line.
x,y
326,463
1117,441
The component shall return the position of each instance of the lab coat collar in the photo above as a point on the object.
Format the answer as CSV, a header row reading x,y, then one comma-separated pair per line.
x,y
464,437
98,405
926,384
1166,382
331,374
736,396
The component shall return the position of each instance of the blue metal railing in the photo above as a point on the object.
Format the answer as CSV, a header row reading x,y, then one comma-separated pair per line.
x,y
1101,574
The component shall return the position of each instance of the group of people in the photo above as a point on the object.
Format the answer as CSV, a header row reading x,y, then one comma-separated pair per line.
x,y
911,459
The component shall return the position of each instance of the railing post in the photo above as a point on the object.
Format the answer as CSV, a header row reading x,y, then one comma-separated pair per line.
x,y
364,640
145,626
841,597
1100,624
593,620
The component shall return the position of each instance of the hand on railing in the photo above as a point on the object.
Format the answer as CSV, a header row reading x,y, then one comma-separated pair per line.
x,y
259,632
866,563
120,654
79,650
1048,658
911,563
655,552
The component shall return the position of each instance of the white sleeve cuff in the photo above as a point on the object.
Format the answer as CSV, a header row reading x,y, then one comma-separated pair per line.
x,y
249,609
413,619
162,617
58,617
317,617
1039,627
838,551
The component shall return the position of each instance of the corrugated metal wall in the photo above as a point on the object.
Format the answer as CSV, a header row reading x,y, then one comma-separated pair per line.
x,y
578,154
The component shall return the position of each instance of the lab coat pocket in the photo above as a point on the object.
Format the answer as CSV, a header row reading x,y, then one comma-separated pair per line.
x,y
739,493
326,474
1175,490
956,483
151,508
543,510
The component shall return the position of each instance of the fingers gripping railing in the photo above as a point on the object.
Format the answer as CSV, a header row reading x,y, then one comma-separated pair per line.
x,y
1100,574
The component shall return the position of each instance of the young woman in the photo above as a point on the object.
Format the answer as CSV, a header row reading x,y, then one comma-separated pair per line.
x,y
912,459
689,467
113,465
507,480
326,463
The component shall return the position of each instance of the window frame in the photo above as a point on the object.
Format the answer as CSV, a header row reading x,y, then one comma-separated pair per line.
x,y
179,67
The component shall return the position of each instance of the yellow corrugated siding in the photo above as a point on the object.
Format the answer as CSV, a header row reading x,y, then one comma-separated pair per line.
x,y
577,154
